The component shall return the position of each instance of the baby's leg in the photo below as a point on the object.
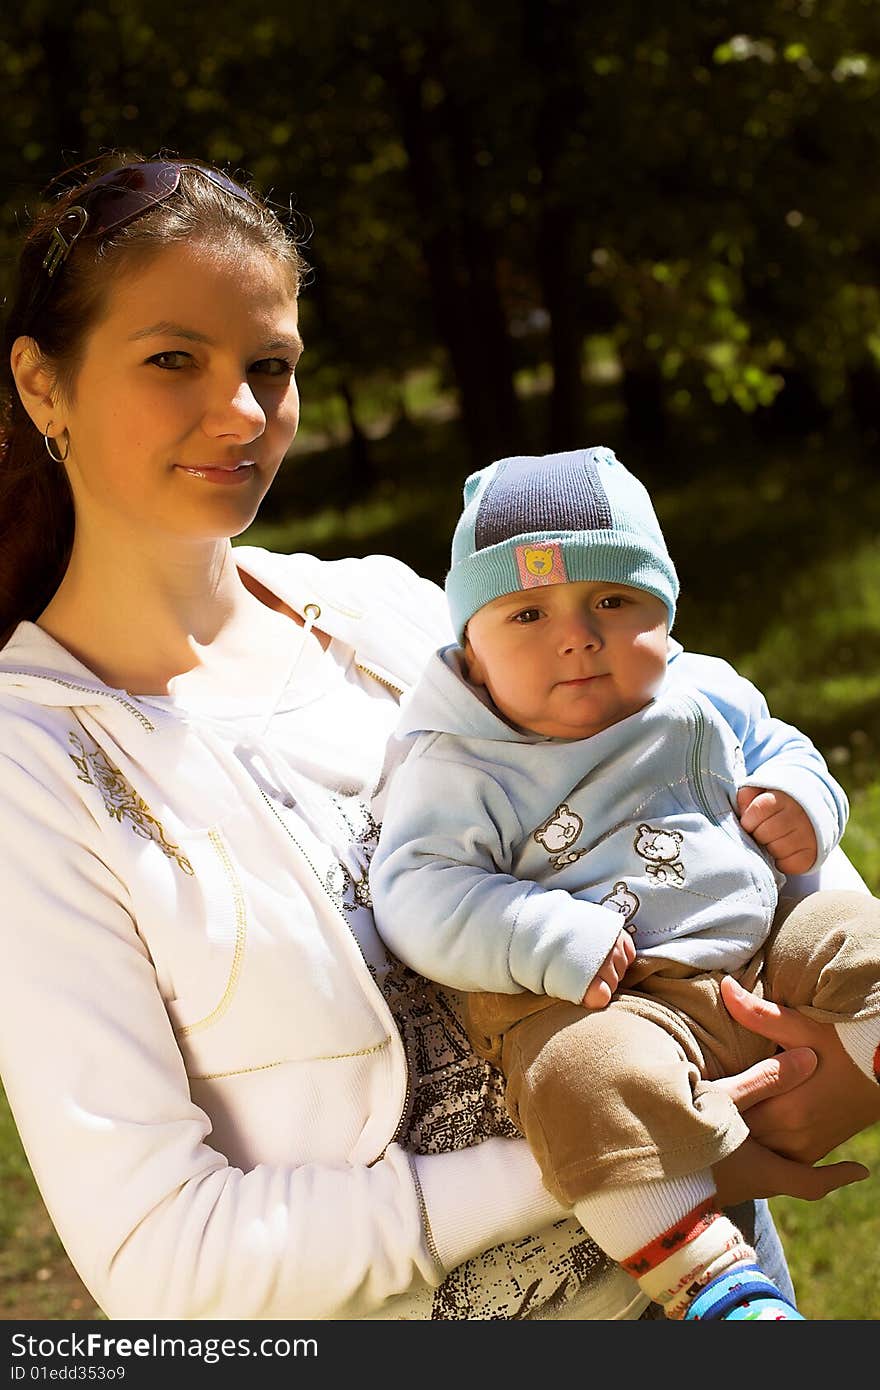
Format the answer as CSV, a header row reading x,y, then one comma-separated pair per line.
x,y
615,1110
824,960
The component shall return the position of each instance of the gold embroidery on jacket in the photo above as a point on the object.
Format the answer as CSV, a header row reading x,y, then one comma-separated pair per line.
x,y
285,1061
238,952
121,801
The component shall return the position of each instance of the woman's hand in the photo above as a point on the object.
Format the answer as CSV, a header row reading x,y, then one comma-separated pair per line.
x,y
835,1101
753,1171
800,1104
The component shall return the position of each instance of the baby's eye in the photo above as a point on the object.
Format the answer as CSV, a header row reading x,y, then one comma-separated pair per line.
x,y
528,615
273,366
611,601
170,361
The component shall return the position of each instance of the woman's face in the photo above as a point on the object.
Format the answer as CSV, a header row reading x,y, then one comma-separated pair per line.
x,y
185,401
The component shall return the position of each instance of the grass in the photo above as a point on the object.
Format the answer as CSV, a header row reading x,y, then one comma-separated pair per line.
x,y
37,1281
780,570
832,1246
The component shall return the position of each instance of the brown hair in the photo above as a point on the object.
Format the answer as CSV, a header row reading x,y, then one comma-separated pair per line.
x,y
36,507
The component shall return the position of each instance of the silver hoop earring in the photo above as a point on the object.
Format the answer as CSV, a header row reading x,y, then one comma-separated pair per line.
x,y
47,440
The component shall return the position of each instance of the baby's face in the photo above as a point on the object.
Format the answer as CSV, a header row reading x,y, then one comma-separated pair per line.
x,y
568,660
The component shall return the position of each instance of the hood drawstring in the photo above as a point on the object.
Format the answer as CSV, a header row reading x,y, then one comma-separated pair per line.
x,y
321,808
311,614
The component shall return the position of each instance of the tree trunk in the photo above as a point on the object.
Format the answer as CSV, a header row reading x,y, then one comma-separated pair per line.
x,y
547,35
458,255
864,398
363,473
556,267
796,410
644,401
67,134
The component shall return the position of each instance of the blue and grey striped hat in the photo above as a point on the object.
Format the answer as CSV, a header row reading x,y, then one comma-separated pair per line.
x,y
550,520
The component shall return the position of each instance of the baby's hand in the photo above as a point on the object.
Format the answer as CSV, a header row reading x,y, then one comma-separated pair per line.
x,y
781,825
610,973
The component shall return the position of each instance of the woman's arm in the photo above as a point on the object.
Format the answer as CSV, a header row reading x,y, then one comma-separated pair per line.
x,y
156,1221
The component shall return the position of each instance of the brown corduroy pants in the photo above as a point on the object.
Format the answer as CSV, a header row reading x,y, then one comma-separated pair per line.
x,y
619,1096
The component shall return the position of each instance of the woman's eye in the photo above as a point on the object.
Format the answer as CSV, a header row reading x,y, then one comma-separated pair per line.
x,y
273,366
170,361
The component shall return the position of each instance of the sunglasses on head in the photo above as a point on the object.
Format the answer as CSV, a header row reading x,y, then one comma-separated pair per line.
x,y
115,199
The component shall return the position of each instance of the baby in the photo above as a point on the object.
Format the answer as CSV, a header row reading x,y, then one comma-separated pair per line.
x,y
590,828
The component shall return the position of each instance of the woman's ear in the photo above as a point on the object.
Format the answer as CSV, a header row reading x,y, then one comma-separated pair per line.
x,y
36,385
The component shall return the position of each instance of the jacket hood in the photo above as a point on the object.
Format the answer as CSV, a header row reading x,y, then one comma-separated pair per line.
x,y
444,702
37,668
367,603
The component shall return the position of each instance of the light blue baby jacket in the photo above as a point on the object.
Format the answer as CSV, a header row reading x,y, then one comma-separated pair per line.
x,y
509,861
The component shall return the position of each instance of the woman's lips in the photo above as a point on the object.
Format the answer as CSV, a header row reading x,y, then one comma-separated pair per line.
x,y
224,474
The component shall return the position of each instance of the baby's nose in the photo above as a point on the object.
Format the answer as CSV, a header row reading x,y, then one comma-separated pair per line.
x,y
581,634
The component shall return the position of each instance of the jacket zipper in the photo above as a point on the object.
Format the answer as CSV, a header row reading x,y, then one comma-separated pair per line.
x,y
89,690
408,1087
139,714
694,759
395,689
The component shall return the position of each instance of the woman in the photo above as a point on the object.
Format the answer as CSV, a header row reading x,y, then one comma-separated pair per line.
x,y
235,1104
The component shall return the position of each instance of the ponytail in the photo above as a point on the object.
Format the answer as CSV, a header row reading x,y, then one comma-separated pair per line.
x,y
36,517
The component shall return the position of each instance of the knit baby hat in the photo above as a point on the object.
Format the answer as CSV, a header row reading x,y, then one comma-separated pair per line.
x,y
531,521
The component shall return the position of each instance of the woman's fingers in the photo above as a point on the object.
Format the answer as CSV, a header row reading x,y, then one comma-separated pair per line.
x,y
772,1077
783,1026
753,1171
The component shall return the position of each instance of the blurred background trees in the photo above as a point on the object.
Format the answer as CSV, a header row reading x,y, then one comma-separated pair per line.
x,y
503,190
533,226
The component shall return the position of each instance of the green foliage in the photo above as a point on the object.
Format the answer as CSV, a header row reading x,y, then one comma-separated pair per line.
x,y
862,841
830,684
693,180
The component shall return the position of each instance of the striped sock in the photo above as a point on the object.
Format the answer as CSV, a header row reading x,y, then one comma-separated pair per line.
x,y
703,1245
742,1294
683,1252
622,1219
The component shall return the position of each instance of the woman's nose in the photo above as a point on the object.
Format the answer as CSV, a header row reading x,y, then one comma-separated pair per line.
x,y
236,413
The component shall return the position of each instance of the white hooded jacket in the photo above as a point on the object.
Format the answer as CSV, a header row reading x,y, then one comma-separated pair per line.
x,y
205,1077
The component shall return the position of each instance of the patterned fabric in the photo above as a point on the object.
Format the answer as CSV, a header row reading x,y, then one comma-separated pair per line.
x,y
458,1100
656,1252
744,1294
